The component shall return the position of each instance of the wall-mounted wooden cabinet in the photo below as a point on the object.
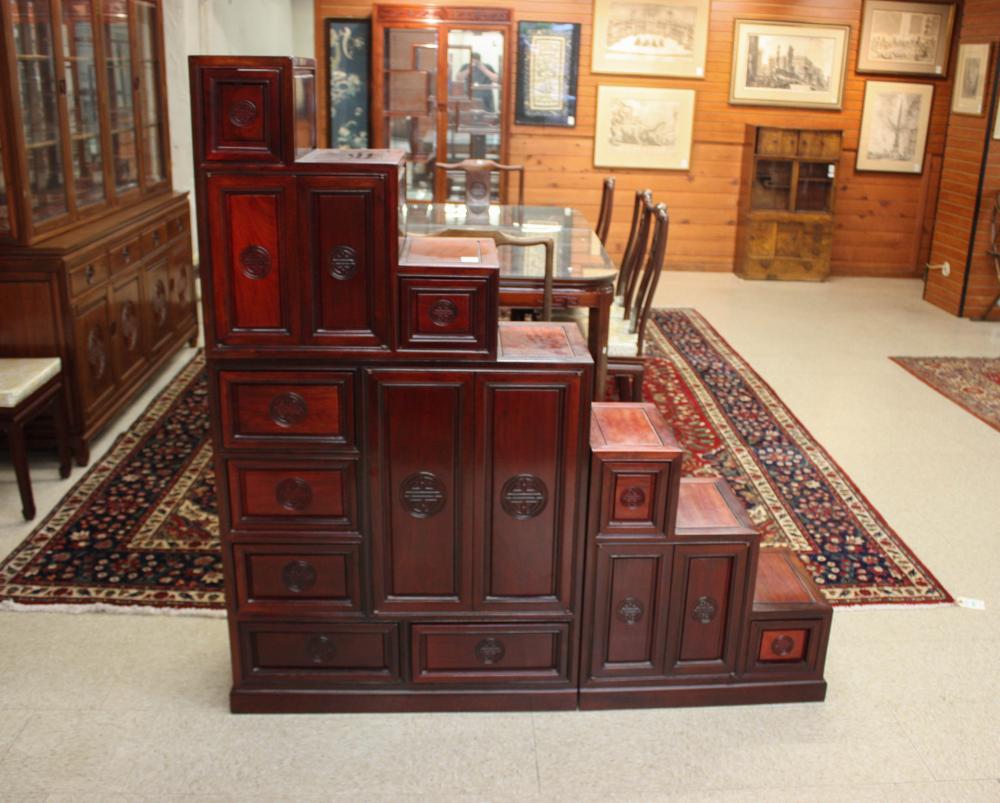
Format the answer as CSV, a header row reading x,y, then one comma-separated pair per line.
x,y
786,206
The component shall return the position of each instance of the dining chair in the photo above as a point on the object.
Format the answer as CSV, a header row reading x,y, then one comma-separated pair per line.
x,y
642,197
607,205
518,241
643,244
477,180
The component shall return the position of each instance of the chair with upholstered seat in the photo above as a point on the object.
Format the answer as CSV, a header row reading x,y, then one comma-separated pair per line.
x,y
477,180
607,207
30,386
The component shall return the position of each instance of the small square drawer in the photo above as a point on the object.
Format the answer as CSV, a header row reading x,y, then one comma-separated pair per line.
x,y
91,273
243,111
179,225
448,314
125,254
319,653
299,495
789,646
263,409
490,653
303,578
154,238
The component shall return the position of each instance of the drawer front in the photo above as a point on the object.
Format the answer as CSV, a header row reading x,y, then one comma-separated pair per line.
x,y
154,238
787,646
310,496
277,408
89,275
708,583
634,498
493,653
301,578
125,254
242,111
448,314
179,225
320,653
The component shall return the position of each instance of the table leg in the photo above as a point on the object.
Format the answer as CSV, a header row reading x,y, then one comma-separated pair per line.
x,y
598,329
19,457
61,416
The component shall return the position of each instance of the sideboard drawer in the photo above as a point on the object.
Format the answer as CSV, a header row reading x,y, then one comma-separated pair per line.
x,y
489,653
318,495
298,578
90,274
125,254
448,314
263,409
155,237
336,653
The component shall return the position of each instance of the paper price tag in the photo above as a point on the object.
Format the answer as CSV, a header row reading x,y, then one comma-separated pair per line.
x,y
916,168
684,164
831,171
571,120
972,604
470,259
938,69
699,71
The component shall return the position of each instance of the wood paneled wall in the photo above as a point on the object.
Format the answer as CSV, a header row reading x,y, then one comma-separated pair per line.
x,y
969,151
883,221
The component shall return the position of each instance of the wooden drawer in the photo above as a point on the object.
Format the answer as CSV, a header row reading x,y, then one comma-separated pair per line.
x,y
90,274
319,653
789,646
490,653
263,409
242,111
777,142
154,238
318,495
301,578
179,225
443,314
126,253
819,144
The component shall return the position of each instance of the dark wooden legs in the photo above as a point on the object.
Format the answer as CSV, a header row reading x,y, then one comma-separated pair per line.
x,y
60,413
628,374
597,336
19,457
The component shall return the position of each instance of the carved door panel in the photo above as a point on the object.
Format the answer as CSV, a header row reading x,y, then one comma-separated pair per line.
x,y
156,304
125,329
253,259
527,477
346,260
707,595
95,379
421,451
182,300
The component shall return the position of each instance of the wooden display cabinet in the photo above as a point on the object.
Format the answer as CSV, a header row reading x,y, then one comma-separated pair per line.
x,y
95,248
786,207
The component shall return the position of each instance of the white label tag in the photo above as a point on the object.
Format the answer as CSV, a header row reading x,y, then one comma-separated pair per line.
x,y
684,164
831,171
938,69
699,71
571,120
470,259
916,168
972,604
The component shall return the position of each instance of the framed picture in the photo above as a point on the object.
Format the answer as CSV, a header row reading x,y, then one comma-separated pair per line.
x,y
548,56
905,38
650,37
643,127
970,79
348,55
788,64
894,126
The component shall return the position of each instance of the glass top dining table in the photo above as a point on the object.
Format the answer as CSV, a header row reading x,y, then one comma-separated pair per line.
x,y
583,274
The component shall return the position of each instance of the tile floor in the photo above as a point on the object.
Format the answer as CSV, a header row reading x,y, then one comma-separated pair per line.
x,y
112,707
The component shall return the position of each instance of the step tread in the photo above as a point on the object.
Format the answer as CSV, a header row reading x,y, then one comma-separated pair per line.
x,y
782,580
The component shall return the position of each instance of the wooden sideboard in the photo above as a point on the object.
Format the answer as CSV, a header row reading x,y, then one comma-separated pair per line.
x,y
422,508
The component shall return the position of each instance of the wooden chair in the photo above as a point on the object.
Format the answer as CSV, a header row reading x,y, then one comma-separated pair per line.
x,y
642,198
518,241
643,243
607,205
30,386
477,180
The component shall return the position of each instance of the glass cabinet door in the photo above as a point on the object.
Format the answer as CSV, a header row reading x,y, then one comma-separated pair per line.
x,y
82,103
814,192
121,109
154,166
37,84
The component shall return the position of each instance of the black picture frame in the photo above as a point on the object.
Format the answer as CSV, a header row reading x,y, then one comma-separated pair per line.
x,y
549,99
348,86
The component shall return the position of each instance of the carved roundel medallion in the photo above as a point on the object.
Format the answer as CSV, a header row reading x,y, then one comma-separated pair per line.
x,y
490,651
255,261
320,649
343,262
97,353
242,113
293,493
298,576
632,497
160,302
128,321
630,610
705,610
782,645
524,496
287,409
443,312
423,494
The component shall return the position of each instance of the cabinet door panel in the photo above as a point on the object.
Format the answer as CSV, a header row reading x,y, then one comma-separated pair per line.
x,y
127,353
528,451
95,379
421,448
253,260
182,298
347,260
156,303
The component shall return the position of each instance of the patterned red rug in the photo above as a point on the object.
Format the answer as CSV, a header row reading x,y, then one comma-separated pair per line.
x,y
973,383
140,528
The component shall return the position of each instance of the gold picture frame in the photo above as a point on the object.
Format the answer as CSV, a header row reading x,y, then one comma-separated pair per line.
x,y
650,37
648,128
905,38
894,123
788,64
971,77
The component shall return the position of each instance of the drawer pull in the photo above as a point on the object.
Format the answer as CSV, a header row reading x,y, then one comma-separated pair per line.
x,y
320,649
490,650
255,261
423,494
633,497
126,254
298,576
89,274
294,493
343,262
782,645
705,610
443,312
156,238
288,409
630,610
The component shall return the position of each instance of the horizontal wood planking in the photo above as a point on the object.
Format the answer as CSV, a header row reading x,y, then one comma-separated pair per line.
x,y
703,201
963,160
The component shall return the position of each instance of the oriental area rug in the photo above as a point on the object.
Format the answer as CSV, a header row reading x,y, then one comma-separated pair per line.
x,y
140,528
973,383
